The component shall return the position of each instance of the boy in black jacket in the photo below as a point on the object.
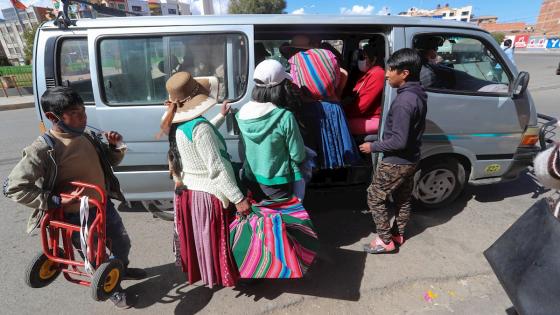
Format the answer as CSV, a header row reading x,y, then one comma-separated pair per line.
x,y
400,146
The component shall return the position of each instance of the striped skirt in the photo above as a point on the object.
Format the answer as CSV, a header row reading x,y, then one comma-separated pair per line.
x,y
203,240
277,240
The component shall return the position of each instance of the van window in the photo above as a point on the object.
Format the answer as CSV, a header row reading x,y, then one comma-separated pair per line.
x,y
461,63
74,67
134,69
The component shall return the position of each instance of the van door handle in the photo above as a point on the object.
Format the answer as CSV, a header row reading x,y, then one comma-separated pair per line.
x,y
109,84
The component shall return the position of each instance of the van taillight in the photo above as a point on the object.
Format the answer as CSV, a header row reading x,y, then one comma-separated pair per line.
x,y
530,137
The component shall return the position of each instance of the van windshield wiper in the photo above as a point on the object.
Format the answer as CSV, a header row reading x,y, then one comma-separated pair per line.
x,y
63,20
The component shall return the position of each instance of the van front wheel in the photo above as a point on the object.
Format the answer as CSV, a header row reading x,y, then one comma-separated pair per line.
x,y
439,183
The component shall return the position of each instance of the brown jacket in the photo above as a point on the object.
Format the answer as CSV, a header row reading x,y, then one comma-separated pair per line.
x,y
31,181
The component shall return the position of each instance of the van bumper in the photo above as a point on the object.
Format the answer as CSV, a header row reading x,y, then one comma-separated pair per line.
x,y
523,157
521,160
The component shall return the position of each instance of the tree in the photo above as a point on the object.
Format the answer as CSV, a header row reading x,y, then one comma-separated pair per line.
x,y
257,6
499,37
29,41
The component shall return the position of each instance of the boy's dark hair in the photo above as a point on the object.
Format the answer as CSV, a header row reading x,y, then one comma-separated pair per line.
x,y
508,42
406,59
59,98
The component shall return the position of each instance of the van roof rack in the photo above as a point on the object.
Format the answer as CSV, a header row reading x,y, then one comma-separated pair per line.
x,y
63,20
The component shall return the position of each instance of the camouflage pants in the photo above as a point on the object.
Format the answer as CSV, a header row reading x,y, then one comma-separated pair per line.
x,y
396,180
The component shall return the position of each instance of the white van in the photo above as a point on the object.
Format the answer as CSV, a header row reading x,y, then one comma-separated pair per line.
x,y
119,66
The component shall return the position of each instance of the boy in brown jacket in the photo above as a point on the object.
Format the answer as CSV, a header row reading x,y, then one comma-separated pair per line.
x,y
67,153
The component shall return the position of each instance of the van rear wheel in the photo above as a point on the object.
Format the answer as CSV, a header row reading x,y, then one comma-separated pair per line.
x,y
162,209
438,183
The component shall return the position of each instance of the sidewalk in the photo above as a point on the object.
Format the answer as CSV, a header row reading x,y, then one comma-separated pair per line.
x,y
16,102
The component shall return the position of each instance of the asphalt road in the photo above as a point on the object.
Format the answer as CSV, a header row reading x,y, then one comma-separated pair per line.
x,y
443,256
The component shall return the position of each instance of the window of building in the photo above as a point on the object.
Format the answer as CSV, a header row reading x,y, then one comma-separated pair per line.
x,y
172,11
12,51
466,64
19,29
451,13
74,67
464,20
136,8
465,13
134,70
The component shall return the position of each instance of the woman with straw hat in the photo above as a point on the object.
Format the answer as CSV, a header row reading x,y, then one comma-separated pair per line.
x,y
204,180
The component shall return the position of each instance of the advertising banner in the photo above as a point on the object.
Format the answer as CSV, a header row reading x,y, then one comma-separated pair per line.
x,y
537,42
553,43
521,41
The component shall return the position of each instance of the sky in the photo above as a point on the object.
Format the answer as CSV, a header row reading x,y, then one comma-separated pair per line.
x,y
507,11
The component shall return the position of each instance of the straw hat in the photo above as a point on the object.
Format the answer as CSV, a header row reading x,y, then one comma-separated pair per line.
x,y
189,97
297,44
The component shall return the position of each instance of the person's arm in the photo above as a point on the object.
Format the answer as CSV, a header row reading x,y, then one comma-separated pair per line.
x,y
401,127
219,168
342,82
25,183
294,140
219,119
370,92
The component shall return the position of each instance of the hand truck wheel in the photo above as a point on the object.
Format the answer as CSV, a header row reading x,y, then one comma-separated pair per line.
x,y
106,279
41,271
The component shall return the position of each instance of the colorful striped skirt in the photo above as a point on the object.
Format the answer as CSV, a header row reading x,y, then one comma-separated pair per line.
x,y
277,240
202,227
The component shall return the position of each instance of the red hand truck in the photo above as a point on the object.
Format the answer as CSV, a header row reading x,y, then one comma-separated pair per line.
x,y
53,259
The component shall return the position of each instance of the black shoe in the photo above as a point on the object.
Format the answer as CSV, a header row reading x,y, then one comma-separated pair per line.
x,y
119,299
134,274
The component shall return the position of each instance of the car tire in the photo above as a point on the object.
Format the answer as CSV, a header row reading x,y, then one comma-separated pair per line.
x,y
438,183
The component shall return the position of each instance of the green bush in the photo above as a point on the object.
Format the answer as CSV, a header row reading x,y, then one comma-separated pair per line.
x,y
23,74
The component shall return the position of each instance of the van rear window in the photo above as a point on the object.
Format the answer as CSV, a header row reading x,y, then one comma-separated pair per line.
x,y
134,69
74,67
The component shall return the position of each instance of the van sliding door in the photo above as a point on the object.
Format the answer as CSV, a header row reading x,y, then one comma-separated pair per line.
x,y
131,69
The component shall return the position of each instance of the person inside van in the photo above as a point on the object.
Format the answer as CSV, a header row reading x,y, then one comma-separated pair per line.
x,y
433,74
273,144
363,105
400,145
205,183
57,158
260,53
317,72
343,72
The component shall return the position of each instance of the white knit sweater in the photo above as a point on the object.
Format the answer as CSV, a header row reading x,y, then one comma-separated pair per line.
x,y
204,168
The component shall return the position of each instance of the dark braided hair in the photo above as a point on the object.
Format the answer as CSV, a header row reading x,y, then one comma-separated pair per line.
x,y
173,154
284,95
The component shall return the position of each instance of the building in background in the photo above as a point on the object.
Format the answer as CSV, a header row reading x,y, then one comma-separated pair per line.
x,y
18,19
485,19
445,12
548,22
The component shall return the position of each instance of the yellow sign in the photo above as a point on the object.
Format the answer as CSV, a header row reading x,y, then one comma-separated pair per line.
x,y
493,168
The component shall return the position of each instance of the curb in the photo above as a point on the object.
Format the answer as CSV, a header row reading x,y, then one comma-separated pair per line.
x,y
17,106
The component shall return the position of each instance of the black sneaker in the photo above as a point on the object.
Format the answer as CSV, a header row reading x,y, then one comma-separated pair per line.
x,y
134,274
119,299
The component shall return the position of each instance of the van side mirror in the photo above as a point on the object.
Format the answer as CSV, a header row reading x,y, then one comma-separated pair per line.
x,y
519,85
